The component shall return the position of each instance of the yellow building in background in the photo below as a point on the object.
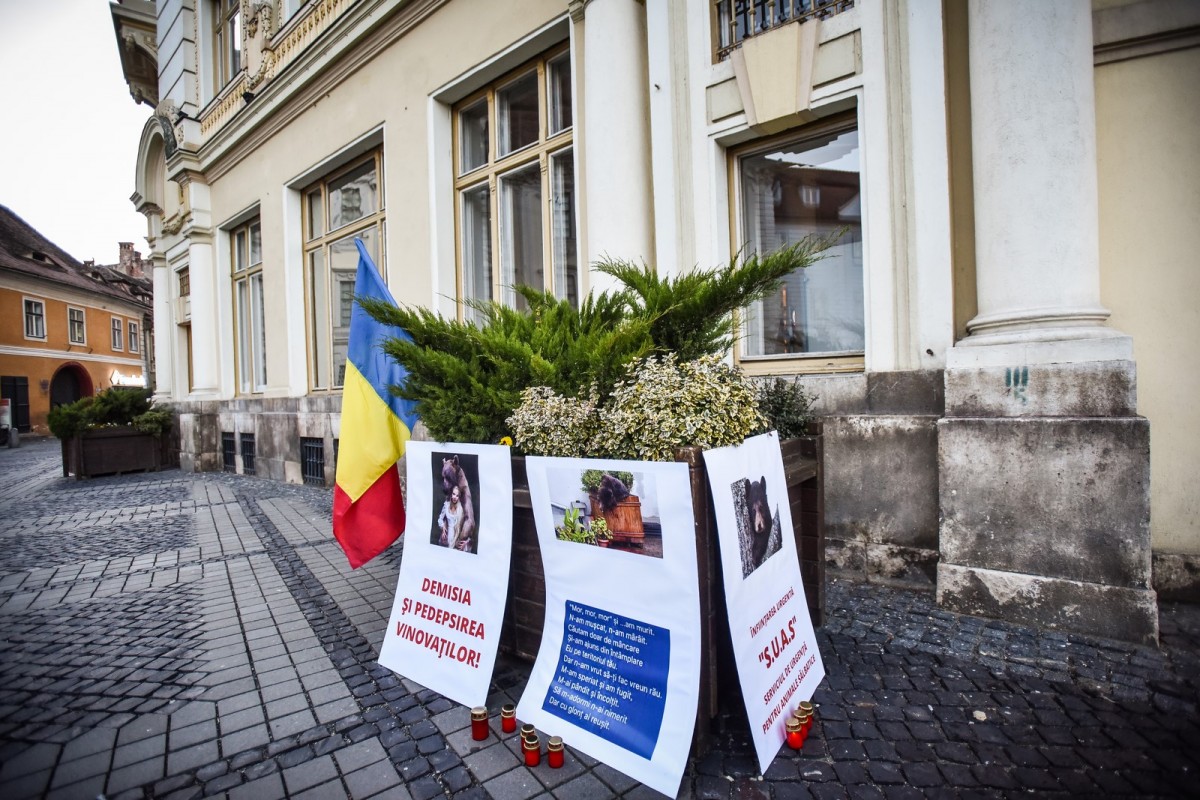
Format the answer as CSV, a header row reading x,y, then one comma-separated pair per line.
x,y
67,329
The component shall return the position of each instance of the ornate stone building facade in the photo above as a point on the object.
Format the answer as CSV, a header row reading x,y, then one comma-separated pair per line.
x,y
974,339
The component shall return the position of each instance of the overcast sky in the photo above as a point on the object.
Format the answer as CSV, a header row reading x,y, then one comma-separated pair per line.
x,y
69,130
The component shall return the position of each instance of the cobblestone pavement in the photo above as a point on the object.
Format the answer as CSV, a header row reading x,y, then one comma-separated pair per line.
x,y
180,636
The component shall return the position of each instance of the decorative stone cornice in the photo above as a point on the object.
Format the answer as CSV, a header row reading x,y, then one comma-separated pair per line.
x,y
226,105
142,40
312,71
168,116
136,29
259,14
267,54
149,209
174,225
1143,29
259,57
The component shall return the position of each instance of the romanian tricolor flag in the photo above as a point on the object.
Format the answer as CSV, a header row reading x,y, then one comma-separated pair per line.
x,y
368,508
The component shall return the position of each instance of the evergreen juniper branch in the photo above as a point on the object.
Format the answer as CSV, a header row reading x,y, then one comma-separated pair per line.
x,y
466,378
691,315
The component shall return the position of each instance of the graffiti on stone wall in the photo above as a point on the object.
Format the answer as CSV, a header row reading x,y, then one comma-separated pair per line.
x,y
1016,381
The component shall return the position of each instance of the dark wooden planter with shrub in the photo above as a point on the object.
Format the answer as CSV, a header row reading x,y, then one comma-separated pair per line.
x,y
112,451
719,688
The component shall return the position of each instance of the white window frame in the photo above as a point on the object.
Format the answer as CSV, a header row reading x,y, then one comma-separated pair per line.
x,y
288,9
249,321
540,153
812,362
82,340
26,318
320,344
131,336
225,28
117,329
443,199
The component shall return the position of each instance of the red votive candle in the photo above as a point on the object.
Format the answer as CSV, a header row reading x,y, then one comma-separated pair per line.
x,y
807,708
795,737
805,720
533,750
554,752
527,731
479,723
508,718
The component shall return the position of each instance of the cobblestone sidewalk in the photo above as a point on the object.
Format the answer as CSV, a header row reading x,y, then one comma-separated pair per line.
x,y
185,636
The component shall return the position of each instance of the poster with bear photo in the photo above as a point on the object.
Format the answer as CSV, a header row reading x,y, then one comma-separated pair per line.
x,y
453,584
773,640
618,671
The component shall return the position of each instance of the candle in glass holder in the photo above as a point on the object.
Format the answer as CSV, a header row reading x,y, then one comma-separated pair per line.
x,y
533,750
479,723
795,738
508,718
527,730
805,721
554,752
808,708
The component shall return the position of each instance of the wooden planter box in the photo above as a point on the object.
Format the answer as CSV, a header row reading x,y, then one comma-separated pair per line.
x,y
624,521
112,451
802,465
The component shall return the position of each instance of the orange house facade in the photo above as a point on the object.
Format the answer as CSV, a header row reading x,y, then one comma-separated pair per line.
x,y
67,330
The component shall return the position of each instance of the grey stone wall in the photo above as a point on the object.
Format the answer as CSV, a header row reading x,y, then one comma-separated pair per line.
x,y
277,425
881,513
1044,492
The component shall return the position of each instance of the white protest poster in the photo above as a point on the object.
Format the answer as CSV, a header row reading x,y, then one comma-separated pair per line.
x,y
773,641
453,584
618,672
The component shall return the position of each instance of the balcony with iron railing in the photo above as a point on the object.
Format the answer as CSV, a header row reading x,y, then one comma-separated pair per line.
x,y
738,20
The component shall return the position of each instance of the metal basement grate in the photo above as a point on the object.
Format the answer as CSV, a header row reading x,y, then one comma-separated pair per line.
x,y
312,460
228,452
247,453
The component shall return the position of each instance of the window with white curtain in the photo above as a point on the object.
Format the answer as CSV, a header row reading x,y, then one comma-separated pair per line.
x,y
788,189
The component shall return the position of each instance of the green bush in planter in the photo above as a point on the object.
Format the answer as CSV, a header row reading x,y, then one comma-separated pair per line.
x,y
115,407
548,423
466,379
67,421
661,405
666,404
156,421
787,407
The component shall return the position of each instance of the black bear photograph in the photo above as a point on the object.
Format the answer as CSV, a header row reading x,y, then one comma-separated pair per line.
x,y
611,492
758,525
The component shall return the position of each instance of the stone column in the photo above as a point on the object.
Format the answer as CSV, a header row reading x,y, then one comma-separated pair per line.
x,y
164,332
205,336
617,176
1043,461
1036,212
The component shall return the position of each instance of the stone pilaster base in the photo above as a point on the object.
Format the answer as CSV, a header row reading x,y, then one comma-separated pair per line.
x,y
1046,521
1113,612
